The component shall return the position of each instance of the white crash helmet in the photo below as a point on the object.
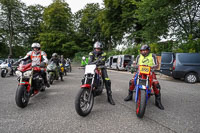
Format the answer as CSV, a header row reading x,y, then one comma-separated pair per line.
x,y
83,58
35,45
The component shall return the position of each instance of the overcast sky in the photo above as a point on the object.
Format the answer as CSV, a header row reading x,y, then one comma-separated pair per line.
x,y
75,5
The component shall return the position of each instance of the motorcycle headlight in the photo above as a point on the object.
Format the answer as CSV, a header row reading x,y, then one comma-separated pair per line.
x,y
27,73
143,87
18,73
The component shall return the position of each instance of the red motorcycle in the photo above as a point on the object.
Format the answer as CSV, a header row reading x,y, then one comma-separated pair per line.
x,y
30,82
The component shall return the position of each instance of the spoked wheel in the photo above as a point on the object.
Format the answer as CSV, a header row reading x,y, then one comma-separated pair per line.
x,y
141,103
84,102
22,96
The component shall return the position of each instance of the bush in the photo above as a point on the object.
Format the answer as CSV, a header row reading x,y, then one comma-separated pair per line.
x,y
78,56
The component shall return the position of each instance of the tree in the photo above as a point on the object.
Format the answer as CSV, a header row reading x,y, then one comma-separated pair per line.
x,y
32,19
57,29
87,28
11,21
118,19
185,20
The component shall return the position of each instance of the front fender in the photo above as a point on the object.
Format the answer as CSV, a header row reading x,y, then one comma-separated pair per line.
x,y
137,88
27,84
86,86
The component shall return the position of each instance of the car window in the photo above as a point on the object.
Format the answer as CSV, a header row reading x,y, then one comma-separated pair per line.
x,y
166,58
189,58
127,57
115,60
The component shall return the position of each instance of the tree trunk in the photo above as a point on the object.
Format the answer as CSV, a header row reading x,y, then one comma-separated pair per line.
x,y
10,31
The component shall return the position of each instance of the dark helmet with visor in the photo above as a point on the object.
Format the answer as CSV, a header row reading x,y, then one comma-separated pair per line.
x,y
143,48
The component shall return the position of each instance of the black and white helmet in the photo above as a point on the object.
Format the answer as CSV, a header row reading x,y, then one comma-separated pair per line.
x,y
55,55
98,45
35,45
145,47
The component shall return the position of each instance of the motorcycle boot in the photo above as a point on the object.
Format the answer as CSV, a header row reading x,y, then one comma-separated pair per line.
x,y
158,101
109,92
130,96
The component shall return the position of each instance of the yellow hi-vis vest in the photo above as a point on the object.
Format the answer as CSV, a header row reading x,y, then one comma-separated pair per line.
x,y
148,60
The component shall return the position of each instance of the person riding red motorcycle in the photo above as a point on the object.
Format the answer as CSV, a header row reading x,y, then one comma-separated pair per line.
x,y
98,56
37,57
149,59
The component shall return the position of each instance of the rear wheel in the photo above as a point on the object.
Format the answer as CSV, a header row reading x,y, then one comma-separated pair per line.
x,y
100,89
191,78
84,102
141,103
22,96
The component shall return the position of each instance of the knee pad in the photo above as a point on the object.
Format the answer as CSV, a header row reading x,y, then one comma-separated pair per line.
x,y
158,86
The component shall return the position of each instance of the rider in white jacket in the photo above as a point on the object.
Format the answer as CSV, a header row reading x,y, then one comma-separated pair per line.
x,y
37,57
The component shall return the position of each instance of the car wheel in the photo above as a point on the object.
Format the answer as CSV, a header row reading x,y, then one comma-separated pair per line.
x,y
191,78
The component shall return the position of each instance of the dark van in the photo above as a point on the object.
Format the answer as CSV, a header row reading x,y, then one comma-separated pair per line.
x,y
181,65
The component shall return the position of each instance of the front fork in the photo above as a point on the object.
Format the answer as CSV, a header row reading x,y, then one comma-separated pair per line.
x,y
91,88
28,84
139,87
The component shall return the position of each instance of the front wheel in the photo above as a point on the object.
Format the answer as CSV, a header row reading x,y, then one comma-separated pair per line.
x,y
84,102
141,103
51,78
22,96
3,73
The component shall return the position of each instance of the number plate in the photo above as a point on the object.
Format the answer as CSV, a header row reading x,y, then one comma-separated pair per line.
x,y
144,69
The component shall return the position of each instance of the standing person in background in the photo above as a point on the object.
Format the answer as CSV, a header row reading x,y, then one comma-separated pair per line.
x,y
69,62
10,63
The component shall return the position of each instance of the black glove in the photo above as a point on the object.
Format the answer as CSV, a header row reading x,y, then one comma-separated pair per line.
x,y
42,64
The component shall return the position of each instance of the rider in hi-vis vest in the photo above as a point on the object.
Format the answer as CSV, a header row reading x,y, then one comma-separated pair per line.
x,y
149,59
37,57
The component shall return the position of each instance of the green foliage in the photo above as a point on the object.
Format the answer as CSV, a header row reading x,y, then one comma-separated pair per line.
x,y
33,19
112,53
78,56
119,22
117,19
11,22
135,50
154,16
87,26
57,30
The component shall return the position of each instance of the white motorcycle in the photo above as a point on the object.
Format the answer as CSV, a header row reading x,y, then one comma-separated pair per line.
x,y
5,68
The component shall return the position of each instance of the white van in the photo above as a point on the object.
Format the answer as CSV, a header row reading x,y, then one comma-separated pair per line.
x,y
119,62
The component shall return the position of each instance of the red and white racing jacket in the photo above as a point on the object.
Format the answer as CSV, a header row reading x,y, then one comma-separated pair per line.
x,y
37,57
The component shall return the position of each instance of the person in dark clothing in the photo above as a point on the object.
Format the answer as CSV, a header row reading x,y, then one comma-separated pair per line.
x,y
56,60
62,60
98,57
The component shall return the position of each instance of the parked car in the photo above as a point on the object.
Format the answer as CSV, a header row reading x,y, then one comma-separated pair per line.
x,y
181,65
